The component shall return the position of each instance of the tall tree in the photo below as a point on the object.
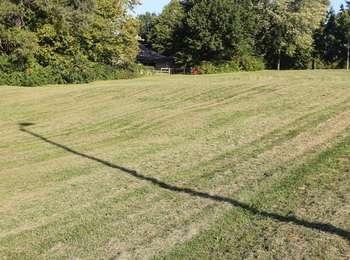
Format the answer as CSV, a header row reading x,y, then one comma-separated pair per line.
x,y
344,28
333,41
147,22
327,42
217,30
291,28
164,36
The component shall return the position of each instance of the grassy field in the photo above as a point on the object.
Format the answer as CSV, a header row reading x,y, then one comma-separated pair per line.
x,y
244,165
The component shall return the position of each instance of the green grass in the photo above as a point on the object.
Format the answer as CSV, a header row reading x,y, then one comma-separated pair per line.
x,y
243,165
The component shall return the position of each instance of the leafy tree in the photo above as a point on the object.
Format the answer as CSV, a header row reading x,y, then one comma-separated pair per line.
x,y
333,39
71,40
291,28
326,39
147,22
217,30
344,28
165,34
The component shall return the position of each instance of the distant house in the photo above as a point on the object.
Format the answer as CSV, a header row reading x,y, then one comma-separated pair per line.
x,y
151,58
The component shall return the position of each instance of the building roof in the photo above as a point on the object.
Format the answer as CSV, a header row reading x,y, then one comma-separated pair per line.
x,y
147,56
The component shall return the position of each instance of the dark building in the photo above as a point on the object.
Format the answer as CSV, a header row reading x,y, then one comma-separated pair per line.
x,y
151,58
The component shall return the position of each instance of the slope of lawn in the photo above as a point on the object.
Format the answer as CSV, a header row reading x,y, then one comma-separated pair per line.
x,y
244,165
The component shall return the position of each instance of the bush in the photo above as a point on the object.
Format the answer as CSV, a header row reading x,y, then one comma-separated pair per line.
x,y
320,64
244,63
69,72
207,68
212,68
251,63
231,66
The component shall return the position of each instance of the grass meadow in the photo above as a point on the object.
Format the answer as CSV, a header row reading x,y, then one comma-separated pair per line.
x,y
228,166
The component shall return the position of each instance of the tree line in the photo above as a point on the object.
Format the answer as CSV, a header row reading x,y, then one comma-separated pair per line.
x,y
74,41
250,34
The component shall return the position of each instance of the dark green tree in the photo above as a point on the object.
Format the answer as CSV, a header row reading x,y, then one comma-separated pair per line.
x,y
327,43
147,22
165,34
344,33
333,39
217,30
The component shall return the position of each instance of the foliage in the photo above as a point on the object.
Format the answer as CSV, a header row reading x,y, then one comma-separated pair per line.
x,y
217,30
280,31
212,68
246,63
333,38
165,34
251,63
67,41
69,73
289,35
147,22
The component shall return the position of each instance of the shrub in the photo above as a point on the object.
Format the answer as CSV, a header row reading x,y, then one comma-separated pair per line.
x,y
207,68
68,73
231,66
245,63
251,63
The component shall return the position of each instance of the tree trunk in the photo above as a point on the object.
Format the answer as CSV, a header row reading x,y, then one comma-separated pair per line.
x,y
348,57
279,61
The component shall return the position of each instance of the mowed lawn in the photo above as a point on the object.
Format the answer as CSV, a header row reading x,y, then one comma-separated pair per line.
x,y
243,165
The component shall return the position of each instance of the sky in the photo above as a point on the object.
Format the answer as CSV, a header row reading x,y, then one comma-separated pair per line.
x,y
156,6
336,3
153,6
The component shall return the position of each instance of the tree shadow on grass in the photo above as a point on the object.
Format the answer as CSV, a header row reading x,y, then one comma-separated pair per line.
x,y
323,227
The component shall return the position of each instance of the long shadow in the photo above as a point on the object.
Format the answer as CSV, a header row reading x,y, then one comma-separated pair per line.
x,y
327,228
